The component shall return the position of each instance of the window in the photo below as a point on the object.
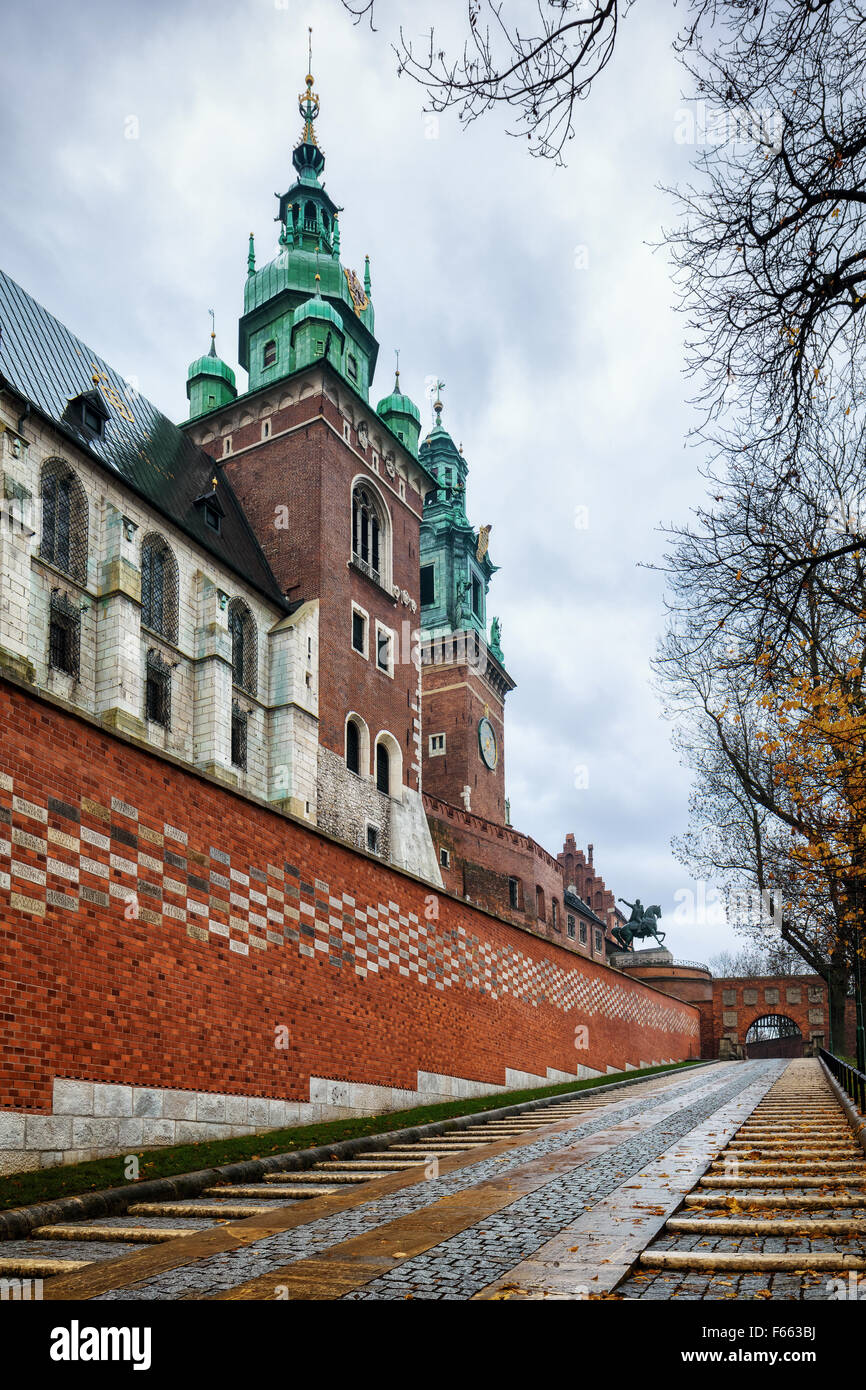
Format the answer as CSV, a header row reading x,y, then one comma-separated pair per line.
x,y
353,748
352,367
213,518
64,635
239,736
383,769
91,419
437,745
583,933
445,859
476,596
159,588
269,353
514,892
372,838
598,939
539,903
157,690
384,650
359,631
242,628
428,585
570,926
64,520
554,914
368,525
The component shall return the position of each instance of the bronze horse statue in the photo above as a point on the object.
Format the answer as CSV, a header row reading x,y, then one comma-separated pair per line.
x,y
642,923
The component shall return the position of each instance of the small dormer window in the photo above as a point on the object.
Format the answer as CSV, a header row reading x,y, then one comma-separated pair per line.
x,y
88,413
212,518
269,353
211,510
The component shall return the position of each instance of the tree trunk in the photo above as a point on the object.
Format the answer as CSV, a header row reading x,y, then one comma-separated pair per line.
x,y
837,989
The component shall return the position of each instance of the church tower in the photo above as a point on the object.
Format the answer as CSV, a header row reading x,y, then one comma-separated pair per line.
x,y
333,489
464,679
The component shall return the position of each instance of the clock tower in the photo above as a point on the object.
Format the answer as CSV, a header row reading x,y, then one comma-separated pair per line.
x,y
464,680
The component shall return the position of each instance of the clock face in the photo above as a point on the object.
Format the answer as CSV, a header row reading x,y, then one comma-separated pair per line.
x,y
487,742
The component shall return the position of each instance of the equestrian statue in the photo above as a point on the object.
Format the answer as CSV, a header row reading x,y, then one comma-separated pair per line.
x,y
643,922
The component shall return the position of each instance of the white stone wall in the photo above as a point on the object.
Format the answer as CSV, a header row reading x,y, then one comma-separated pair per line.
x,y
91,1119
282,727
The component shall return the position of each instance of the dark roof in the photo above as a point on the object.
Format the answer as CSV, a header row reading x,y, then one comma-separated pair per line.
x,y
572,900
48,366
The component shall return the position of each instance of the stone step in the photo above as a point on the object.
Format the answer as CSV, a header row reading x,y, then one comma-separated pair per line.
x,y
778,1202
312,1175
783,1180
272,1194
136,1235
742,1261
21,1267
815,1165
221,1211
746,1225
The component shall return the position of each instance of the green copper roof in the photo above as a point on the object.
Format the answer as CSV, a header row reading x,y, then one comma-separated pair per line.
x,y
317,308
398,404
211,365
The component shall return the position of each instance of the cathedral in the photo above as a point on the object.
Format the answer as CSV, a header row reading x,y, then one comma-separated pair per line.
x,y
284,592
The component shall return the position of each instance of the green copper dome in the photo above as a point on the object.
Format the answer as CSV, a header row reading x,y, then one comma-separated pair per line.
x,y
210,382
402,416
317,308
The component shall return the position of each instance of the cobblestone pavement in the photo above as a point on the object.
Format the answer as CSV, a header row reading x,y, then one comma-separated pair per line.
x,y
468,1262
237,1266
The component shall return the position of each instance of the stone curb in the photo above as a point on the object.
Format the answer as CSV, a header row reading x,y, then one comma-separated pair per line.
x,y
114,1201
852,1114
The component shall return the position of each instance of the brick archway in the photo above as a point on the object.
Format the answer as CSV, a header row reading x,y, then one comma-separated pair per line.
x,y
774,1035
739,1002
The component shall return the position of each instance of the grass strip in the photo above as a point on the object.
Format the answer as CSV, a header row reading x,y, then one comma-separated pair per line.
x,y
48,1184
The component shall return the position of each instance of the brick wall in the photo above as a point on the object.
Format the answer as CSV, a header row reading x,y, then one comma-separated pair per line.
x,y
737,1003
157,929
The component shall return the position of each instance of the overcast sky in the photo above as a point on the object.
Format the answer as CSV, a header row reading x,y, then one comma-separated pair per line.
x,y
534,292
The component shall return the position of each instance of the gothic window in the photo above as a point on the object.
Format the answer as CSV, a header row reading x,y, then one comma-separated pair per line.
x,y
353,751
64,520
157,690
239,736
310,217
554,909
64,635
539,903
368,532
269,353
159,587
242,628
514,892
383,769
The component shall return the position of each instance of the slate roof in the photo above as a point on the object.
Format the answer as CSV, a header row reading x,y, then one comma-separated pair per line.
x,y
44,362
572,900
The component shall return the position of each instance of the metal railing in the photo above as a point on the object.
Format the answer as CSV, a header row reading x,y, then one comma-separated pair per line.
x,y
849,1078
672,964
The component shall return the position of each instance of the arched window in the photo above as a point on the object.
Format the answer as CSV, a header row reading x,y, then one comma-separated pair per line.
x,y
383,769
369,533
389,766
353,752
242,628
269,353
357,745
159,587
64,520
310,216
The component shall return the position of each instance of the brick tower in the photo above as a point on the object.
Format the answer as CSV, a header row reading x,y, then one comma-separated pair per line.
x,y
464,679
333,490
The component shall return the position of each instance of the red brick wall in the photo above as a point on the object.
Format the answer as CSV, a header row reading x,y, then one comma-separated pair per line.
x,y
189,999
454,700
772,995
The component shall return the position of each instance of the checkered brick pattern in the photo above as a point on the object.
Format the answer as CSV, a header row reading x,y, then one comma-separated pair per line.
x,y
158,875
